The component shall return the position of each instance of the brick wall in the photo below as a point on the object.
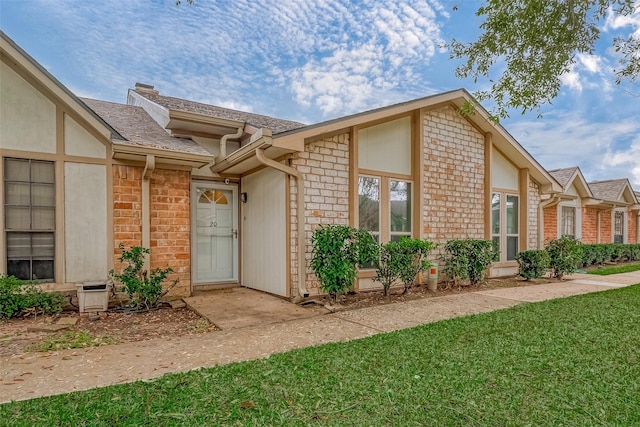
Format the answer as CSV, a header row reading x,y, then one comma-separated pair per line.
x,y
127,208
633,227
325,166
550,223
589,225
605,227
170,216
453,183
170,230
534,204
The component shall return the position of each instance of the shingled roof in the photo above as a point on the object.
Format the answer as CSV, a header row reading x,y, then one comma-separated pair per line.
x,y
138,128
256,120
563,175
609,190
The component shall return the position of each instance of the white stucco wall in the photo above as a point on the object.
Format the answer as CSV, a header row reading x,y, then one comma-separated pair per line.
x,y
27,117
386,147
504,175
86,238
264,247
79,142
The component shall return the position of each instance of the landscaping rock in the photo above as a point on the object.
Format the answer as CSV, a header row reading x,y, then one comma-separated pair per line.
x,y
69,321
176,304
48,328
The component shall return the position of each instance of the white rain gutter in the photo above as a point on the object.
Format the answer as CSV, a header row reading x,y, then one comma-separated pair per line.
x,y
149,167
543,204
302,269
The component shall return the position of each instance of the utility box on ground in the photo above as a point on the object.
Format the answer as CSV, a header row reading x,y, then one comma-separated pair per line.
x,y
432,277
93,297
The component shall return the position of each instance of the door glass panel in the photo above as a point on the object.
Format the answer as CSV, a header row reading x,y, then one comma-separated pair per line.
x,y
512,214
400,201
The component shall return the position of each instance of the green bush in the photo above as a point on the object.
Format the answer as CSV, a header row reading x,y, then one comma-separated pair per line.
x,y
144,290
598,254
18,297
337,252
388,265
412,259
469,259
565,255
532,264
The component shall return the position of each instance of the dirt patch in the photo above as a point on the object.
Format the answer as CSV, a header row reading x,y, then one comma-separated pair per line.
x,y
364,299
17,335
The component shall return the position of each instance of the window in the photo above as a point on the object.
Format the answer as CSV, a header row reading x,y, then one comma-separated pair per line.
x,y
29,223
384,207
505,224
568,221
618,227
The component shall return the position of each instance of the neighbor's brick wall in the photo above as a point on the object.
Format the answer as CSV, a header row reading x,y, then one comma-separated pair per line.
x,y
633,227
170,230
169,226
325,167
453,183
550,223
534,204
605,227
589,226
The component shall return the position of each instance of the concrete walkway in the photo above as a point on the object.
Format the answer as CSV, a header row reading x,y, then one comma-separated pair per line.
x,y
42,374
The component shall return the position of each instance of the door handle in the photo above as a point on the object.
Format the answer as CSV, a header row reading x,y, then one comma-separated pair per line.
x,y
234,233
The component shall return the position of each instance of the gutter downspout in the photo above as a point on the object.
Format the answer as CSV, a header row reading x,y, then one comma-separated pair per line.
x,y
302,269
543,204
223,141
146,205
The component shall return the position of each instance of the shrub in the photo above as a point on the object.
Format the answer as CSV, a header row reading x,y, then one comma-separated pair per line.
x,y
18,297
388,265
532,264
565,254
413,255
469,259
144,290
337,251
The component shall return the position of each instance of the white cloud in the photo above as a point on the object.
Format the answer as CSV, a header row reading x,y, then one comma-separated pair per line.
x,y
571,80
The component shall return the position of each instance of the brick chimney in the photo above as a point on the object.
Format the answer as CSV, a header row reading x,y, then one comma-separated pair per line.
x,y
141,87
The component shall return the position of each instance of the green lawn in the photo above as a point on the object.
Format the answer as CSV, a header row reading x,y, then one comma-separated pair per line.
x,y
570,362
626,268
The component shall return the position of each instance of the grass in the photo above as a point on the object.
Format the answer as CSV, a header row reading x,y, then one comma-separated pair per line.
x,y
616,269
570,362
70,339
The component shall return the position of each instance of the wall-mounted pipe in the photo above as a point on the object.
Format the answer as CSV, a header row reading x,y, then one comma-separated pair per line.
x,y
223,141
302,268
149,167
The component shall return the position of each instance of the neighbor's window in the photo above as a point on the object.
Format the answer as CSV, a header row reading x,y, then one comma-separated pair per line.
x,y
505,230
29,198
568,221
618,227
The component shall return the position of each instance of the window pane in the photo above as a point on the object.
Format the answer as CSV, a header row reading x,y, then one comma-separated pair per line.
x,y
17,193
17,218
42,270
42,172
512,214
397,237
568,221
512,247
495,213
400,200
19,268
369,203
43,195
42,245
43,219
18,245
16,170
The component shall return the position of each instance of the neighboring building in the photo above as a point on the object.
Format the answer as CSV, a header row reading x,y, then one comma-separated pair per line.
x,y
232,198
618,211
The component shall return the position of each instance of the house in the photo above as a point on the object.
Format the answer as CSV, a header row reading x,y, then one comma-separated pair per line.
x,y
229,198
594,212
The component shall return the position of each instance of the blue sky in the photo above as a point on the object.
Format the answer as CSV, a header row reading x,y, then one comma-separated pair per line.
x,y
311,61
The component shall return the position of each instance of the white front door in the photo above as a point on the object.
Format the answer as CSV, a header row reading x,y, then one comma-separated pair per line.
x,y
214,232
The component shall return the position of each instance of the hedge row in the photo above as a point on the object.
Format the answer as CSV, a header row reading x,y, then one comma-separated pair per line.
x,y
566,254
